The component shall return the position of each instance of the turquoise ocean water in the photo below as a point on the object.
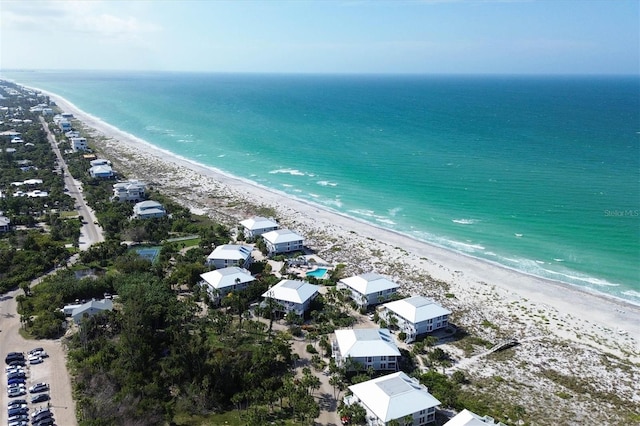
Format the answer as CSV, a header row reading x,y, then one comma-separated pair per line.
x,y
539,174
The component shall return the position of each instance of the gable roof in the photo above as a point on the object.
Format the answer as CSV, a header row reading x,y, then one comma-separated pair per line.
x,y
292,291
230,252
280,236
362,342
394,396
369,283
102,305
468,418
258,222
417,309
227,277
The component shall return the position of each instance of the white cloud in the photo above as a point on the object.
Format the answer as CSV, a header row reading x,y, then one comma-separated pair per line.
x,y
89,18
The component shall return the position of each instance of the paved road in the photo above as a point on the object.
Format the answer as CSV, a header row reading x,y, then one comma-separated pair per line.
x,y
90,232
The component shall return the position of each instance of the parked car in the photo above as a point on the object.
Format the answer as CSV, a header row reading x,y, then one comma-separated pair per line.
x,y
17,411
34,350
40,416
16,385
39,387
42,397
17,381
17,363
16,404
14,356
44,422
35,360
16,369
16,375
14,392
18,423
19,417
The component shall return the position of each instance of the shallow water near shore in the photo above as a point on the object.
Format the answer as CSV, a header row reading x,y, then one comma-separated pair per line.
x,y
537,174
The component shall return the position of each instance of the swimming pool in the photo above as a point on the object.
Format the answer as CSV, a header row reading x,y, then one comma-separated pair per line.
x,y
318,273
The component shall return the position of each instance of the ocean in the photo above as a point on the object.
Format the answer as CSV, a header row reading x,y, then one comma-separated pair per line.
x,y
539,174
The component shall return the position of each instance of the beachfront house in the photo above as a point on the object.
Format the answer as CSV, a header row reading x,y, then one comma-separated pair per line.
x,y
256,226
395,396
282,241
100,162
221,282
415,316
365,348
148,210
469,418
90,309
368,289
65,125
78,144
131,190
292,296
103,171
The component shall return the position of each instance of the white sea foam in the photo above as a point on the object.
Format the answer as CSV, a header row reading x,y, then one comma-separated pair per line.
x,y
582,278
518,235
326,183
224,155
632,293
559,260
292,172
311,194
465,221
468,247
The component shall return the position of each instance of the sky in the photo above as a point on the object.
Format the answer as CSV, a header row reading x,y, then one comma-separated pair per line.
x,y
324,36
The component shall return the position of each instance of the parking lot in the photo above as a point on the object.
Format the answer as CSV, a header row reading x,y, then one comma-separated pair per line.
x,y
52,370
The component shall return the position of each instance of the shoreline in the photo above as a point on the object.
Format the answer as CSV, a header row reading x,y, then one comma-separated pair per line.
x,y
462,273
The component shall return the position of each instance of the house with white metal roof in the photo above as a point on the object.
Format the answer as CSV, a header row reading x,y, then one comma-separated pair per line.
x,y
230,255
282,241
292,296
365,348
131,190
257,225
103,171
90,309
394,397
221,282
416,315
148,209
469,418
368,289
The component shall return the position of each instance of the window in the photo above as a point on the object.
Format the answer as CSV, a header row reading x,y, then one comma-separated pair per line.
x,y
383,358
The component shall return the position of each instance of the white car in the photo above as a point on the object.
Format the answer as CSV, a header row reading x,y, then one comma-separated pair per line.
x,y
35,360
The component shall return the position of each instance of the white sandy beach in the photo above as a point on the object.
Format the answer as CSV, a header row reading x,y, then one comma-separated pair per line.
x,y
533,310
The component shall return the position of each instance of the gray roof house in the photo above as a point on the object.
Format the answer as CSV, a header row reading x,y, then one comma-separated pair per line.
x,y
230,255
220,282
257,225
90,309
416,315
282,241
292,295
394,397
369,347
368,289
148,209
469,418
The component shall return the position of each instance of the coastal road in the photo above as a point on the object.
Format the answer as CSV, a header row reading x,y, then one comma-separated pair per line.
x,y
90,233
